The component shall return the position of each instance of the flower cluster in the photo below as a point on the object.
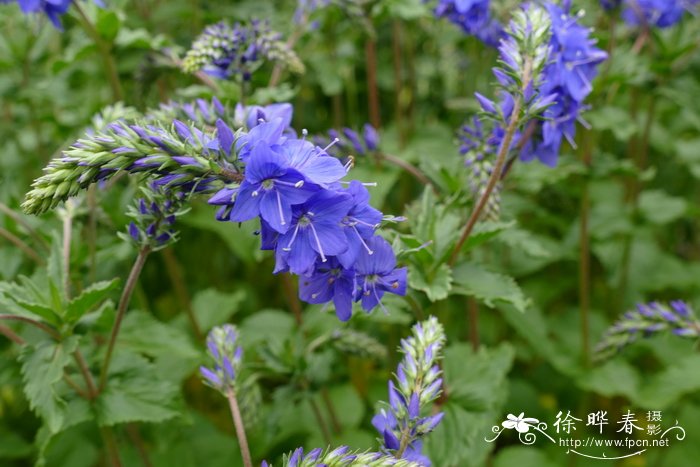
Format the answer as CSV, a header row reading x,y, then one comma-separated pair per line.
x,y
222,343
350,141
573,65
320,228
401,423
154,216
474,17
342,457
656,13
53,9
559,69
647,320
225,51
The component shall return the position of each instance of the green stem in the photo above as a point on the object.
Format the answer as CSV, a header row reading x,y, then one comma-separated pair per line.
x,y
48,330
105,52
174,270
16,241
110,443
19,220
240,429
121,311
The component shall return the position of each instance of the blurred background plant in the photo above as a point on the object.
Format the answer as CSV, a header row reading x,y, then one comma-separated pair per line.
x,y
560,258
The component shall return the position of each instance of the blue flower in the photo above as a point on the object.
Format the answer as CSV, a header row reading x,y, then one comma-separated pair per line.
x,y
359,224
53,9
474,17
270,189
314,232
330,282
658,13
377,274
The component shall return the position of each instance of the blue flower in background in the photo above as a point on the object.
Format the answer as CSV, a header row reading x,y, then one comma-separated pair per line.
x,y
474,17
53,9
657,13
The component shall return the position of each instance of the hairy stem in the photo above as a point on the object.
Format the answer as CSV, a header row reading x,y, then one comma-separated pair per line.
x,y
12,335
67,236
38,324
240,429
330,408
320,420
493,179
121,311
411,169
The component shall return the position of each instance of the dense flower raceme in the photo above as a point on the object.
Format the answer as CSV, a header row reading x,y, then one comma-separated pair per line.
x,y
647,320
223,348
320,228
402,422
474,17
53,9
570,62
225,51
341,457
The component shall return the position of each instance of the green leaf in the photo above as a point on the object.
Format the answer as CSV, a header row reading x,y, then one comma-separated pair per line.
x,y
523,456
135,393
477,389
107,24
213,307
660,208
88,299
13,446
475,281
42,370
174,354
437,285
485,231
272,325
668,386
615,119
348,405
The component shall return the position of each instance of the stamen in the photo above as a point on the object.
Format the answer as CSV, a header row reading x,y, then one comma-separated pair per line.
x,y
299,184
279,208
331,144
294,237
318,243
362,240
254,194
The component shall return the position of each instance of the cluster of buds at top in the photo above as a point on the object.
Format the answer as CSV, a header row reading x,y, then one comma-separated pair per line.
x,y
648,320
225,51
179,156
341,457
523,55
223,347
154,216
402,422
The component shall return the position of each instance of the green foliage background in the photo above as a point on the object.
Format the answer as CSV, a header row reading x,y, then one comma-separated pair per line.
x,y
639,197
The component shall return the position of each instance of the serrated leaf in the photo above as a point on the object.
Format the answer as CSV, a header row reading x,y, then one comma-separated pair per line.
x,y
266,325
677,380
489,287
42,370
436,286
477,389
485,231
88,299
171,348
134,393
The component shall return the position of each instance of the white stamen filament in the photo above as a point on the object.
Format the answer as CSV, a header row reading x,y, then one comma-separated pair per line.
x,y
331,144
294,237
318,243
279,208
362,240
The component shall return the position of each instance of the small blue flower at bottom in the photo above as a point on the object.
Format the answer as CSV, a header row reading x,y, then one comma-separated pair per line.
x,y
377,274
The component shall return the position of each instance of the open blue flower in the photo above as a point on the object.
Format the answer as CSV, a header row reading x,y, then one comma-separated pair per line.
x,y
330,282
359,225
377,274
270,189
315,232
